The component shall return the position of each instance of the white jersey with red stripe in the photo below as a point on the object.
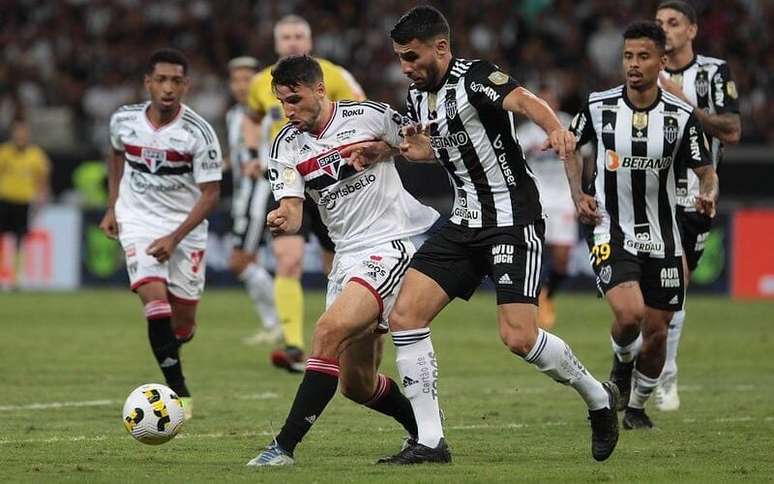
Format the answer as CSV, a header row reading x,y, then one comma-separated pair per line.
x,y
360,209
163,167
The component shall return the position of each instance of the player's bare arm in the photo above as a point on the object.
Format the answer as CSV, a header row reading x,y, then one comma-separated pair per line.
x,y
706,200
522,101
163,247
115,164
585,205
287,218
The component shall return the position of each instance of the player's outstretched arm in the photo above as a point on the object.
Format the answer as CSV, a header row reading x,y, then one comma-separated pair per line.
x,y
585,205
115,169
706,200
163,247
522,101
287,218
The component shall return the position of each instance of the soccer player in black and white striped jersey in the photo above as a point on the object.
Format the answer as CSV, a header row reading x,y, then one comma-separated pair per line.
x,y
496,229
643,136
705,83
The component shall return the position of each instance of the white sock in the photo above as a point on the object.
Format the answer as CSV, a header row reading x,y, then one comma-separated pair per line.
x,y
642,387
555,358
260,287
629,352
673,341
418,371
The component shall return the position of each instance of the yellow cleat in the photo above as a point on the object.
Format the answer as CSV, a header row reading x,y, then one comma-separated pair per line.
x,y
187,407
546,311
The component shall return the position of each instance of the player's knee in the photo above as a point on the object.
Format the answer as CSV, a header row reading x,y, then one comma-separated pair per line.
x,y
329,336
518,338
289,265
630,316
401,318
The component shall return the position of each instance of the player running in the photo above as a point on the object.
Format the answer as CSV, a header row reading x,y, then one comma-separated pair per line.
x,y
371,218
644,136
292,36
164,179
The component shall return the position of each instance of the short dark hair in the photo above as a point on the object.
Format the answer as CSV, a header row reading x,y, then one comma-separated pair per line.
x,y
295,70
646,29
681,6
168,56
422,23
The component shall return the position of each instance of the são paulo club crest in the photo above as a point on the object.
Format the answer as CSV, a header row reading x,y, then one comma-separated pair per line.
x,y
153,158
329,163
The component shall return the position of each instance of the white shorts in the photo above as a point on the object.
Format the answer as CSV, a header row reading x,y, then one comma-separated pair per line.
x,y
561,225
379,269
183,273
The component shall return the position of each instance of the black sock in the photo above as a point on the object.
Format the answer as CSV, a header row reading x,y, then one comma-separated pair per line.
x,y
317,389
553,282
165,346
389,400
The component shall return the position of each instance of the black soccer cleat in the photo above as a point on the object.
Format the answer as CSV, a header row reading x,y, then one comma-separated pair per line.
x,y
420,454
604,425
621,375
636,418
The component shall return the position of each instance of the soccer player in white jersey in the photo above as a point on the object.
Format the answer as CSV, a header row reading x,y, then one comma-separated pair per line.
x,y
705,83
370,217
561,224
248,210
164,179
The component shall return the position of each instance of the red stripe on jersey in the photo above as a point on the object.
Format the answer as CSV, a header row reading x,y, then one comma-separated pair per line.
x,y
311,165
172,155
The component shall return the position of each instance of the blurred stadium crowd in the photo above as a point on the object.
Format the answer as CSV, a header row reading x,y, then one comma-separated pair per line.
x,y
83,58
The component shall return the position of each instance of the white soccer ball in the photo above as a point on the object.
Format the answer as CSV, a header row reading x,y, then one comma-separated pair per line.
x,y
153,414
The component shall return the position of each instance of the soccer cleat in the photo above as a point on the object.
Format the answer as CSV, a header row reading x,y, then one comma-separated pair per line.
x,y
272,455
291,358
604,425
187,403
666,398
621,375
184,334
264,336
408,441
636,418
546,311
420,454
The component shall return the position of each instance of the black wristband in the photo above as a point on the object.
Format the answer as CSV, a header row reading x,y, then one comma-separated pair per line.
x,y
253,152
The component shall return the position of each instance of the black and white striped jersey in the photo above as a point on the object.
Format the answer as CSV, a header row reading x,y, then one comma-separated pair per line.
x,y
638,151
707,83
474,138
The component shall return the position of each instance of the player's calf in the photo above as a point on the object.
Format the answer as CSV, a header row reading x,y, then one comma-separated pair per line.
x,y
164,344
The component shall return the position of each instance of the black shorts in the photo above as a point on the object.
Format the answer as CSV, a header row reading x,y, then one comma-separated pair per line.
x,y
661,280
458,258
248,213
312,224
694,230
14,218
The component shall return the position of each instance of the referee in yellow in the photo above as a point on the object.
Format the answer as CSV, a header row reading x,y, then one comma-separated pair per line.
x,y
24,177
292,36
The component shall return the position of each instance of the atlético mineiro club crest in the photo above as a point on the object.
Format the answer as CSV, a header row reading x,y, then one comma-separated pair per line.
x,y
702,85
153,158
670,129
330,163
451,107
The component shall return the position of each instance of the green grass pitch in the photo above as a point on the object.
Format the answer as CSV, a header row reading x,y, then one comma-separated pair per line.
x,y
67,361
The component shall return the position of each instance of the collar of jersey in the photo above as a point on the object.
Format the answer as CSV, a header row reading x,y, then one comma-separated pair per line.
x,y
684,68
165,125
334,109
635,108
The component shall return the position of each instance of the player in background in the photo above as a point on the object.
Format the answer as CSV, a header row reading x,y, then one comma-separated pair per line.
x,y
643,135
463,112
248,210
292,36
706,84
371,219
164,177
561,224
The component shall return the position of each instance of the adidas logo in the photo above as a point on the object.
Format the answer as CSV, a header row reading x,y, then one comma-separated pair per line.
x,y
311,419
674,300
505,279
608,128
407,382
168,362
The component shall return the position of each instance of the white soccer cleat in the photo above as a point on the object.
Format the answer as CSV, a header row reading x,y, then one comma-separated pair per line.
x,y
264,336
666,398
272,455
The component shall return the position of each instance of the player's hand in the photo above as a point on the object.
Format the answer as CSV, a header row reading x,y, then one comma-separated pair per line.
x,y
162,248
277,221
586,206
108,225
705,205
416,142
253,169
671,86
562,141
361,155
